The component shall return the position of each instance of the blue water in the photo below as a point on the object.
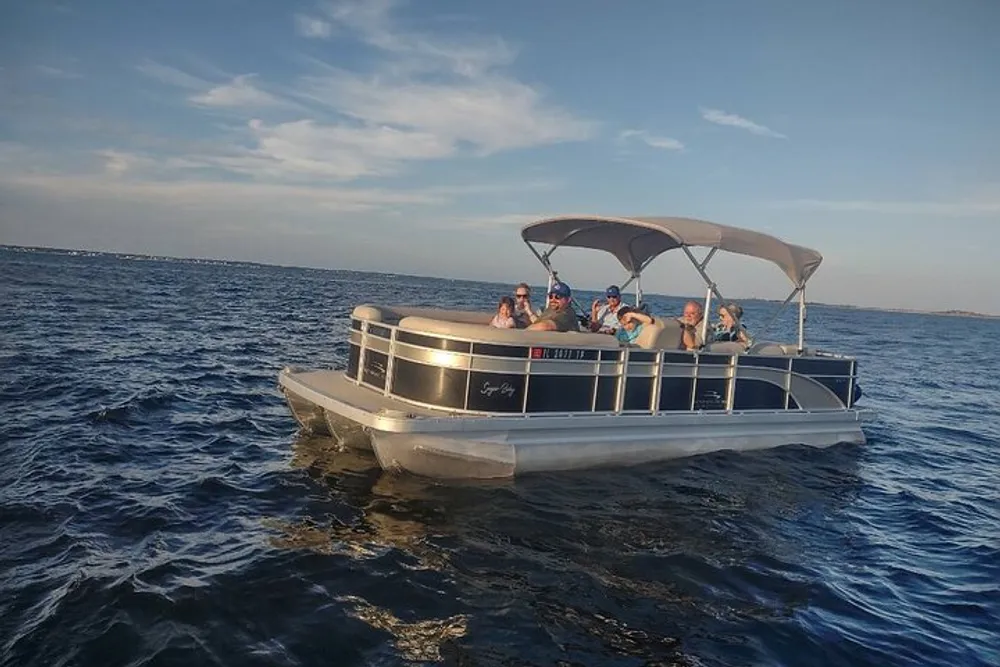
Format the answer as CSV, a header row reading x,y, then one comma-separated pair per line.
x,y
157,506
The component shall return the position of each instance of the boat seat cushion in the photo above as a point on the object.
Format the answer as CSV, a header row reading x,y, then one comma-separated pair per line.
x,y
488,334
394,314
662,334
772,349
725,347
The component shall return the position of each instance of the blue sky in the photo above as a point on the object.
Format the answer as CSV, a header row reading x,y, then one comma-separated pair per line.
x,y
419,137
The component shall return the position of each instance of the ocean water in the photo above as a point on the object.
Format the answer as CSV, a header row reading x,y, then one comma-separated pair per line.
x,y
158,507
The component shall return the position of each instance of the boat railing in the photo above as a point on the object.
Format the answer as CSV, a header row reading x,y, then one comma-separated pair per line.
x,y
459,364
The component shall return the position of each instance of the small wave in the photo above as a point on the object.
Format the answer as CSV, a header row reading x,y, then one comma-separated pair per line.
x,y
147,402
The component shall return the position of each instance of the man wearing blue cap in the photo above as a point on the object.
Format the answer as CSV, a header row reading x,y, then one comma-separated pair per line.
x,y
604,319
559,315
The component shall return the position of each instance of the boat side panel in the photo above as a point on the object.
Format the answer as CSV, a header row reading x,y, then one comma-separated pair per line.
x,y
376,365
557,393
496,392
353,360
435,385
436,369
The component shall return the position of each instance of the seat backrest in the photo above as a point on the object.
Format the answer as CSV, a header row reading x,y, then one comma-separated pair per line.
x,y
767,348
725,347
662,334
647,337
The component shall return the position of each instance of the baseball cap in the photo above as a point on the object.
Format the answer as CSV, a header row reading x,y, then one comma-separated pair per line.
x,y
613,291
561,290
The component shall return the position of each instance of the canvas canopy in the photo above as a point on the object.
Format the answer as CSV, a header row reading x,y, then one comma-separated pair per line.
x,y
635,241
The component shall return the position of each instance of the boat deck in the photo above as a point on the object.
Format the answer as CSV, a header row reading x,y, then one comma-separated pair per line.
x,y
320,388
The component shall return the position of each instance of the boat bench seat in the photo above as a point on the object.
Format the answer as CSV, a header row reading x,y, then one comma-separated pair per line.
x,y
487,334
392,315
663,333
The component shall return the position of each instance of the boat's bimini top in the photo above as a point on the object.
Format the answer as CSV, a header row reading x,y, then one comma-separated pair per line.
x,y
636,241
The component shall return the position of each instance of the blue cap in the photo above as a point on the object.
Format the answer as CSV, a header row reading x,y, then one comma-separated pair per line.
x,y
613,291
561,290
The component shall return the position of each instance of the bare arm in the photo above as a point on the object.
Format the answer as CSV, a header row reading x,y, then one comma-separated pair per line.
x,y
594,307
638,316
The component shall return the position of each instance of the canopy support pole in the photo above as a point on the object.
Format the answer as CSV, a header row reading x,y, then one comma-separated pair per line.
x,y
802,318
774,317
543,258
700,268
704,317
712,287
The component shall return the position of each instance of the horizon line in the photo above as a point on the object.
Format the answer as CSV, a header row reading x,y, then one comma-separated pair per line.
x,y
885,309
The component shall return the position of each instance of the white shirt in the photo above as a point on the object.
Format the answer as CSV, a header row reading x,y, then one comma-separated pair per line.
x,y
608,318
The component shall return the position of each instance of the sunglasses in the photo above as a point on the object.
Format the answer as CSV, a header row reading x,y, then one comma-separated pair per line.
x,y
556,296
522,296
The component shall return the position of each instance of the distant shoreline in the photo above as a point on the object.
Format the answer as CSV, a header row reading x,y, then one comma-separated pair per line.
x,y
910,311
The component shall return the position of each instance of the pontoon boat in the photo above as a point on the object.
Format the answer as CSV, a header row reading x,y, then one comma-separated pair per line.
x,y
440,393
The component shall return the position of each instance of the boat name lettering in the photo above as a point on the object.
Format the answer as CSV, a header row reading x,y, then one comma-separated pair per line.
x,y
505,389
568,353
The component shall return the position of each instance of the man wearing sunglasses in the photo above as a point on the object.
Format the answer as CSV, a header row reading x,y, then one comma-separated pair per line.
x,y
559,316
524,312
604,318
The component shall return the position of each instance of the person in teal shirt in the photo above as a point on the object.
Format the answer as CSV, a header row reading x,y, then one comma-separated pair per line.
x,y
632,321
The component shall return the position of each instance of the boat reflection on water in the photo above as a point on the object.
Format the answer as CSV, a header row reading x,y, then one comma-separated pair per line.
x,y
416,641
326,457
379,516
382,511
631,562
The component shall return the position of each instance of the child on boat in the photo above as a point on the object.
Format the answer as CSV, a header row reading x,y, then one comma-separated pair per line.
x,y
632,321
504,319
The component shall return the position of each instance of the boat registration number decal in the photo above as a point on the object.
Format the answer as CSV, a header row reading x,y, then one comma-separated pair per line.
x,y
563,353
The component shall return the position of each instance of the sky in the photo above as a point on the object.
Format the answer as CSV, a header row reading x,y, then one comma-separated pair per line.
x,y
418,137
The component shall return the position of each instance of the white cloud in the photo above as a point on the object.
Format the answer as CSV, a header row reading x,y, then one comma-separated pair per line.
x,y
311,27
732,120
665,143
467,56
238,93
491,113
57,72
224,194
172,76
427,99
341,152
117,162
144,177
487,222
984,206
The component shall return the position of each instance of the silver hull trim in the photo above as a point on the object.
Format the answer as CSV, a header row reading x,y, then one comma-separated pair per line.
x,y
435,443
